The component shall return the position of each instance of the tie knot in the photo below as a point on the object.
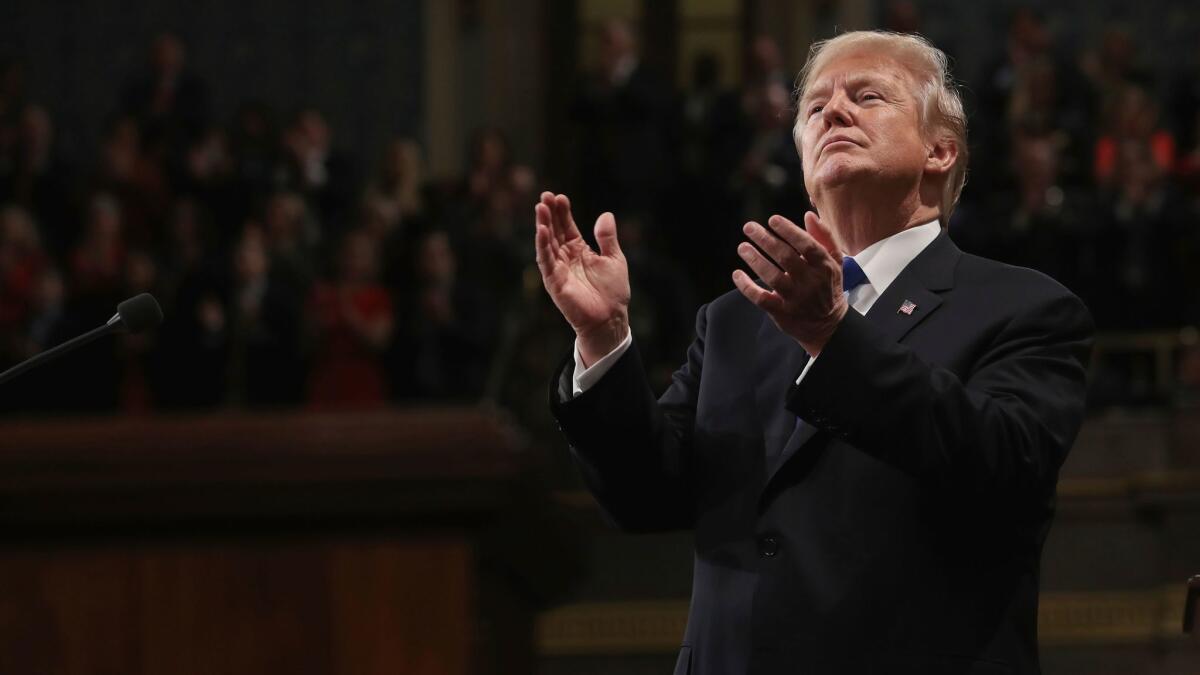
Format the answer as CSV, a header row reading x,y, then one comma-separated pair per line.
x,y
852,274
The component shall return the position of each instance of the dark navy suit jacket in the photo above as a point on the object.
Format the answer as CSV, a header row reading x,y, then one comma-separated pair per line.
x,y
899,529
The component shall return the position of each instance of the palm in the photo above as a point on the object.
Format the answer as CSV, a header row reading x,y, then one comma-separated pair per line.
x,y
589,288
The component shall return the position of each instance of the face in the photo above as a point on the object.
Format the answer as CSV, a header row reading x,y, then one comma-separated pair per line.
x,y
858,124
436,263
359,261
251,259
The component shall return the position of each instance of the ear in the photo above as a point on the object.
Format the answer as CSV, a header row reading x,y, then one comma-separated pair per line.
x,y
943,152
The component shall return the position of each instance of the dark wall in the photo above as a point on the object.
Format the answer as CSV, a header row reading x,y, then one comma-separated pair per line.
x,y
358,62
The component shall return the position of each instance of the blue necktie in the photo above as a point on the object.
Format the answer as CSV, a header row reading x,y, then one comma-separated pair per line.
x,y
852,275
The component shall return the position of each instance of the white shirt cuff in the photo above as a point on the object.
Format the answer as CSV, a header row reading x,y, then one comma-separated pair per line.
x,y
587,376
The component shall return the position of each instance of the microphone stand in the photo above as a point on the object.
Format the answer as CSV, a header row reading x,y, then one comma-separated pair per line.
x,y
50,354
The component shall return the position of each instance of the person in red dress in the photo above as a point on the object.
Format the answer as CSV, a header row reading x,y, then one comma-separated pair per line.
x,y
352,320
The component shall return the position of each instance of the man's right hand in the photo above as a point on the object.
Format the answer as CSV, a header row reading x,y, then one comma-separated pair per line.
x,y
590,289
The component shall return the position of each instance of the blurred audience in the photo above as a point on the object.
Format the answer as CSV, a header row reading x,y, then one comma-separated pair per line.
x,y
444,344
288,278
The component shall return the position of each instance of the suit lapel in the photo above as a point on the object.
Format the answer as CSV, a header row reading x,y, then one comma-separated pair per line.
x,y
913,296
780,360
918,284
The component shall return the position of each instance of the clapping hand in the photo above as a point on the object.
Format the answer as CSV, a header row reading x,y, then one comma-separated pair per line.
x,y
804,272
590,289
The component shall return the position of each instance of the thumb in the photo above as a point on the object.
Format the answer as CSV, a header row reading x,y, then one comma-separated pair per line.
x,y
606,235
817,230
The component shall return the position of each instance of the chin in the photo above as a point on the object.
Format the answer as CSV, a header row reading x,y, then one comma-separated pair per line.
x,y
839,171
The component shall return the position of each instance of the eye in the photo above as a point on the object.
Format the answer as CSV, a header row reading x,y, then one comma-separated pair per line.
x,y
815,109
871,96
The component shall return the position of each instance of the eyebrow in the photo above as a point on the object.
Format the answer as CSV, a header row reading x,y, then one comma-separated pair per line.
x,y
855,82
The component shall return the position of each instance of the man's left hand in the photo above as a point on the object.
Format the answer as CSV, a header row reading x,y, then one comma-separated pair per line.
x,y
805,297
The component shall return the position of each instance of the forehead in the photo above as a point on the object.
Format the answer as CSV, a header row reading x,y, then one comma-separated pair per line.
x,y
856,67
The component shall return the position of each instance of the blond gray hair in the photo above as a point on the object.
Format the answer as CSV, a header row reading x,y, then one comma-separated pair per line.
x,y
941,111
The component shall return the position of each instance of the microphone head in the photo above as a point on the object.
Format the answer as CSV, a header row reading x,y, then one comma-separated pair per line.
x,y
139,313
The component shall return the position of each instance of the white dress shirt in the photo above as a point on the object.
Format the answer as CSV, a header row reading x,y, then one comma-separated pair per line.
x,y
882,262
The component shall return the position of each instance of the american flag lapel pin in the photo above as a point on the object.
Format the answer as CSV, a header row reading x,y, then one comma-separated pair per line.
x,y
907,307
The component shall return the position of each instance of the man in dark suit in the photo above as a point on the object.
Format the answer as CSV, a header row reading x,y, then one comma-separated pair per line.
x,y
621,111
866,440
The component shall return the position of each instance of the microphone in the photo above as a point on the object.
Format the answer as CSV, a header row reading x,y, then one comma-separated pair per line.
x,y
138,313
133,316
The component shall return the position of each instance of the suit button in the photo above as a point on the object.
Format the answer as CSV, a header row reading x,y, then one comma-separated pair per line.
x,y
768,547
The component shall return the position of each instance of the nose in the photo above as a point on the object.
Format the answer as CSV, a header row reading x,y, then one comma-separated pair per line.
x,y
836,111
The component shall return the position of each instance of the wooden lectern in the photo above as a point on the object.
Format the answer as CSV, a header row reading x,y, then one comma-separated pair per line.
x,y
399,542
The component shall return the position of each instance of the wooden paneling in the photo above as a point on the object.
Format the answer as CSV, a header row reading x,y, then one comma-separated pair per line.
x,y
382,542
298,605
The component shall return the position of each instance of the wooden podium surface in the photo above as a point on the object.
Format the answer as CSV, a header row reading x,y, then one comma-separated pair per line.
x,y
382,542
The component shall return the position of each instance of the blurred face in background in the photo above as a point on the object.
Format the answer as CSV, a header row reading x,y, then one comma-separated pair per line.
x,y
251,125
360,259
50,291
765,57
18,235
284,216
401,162
208,156
773,106
436,264
36,134
310,134
1027,36
616,45
491,152
121,148
250,261
1138,175
167,55
379,217
141,272
1135,114
104,221
185,227
1035,164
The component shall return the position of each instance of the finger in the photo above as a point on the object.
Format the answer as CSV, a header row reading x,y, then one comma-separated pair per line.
x,y
606,235
565,229
762,266
547,261
768,301
780,252
551,218
541,215
557,226
547,200
798,239
820,232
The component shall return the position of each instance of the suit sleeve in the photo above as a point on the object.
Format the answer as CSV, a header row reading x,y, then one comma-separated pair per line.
x,y
634,451
1001,431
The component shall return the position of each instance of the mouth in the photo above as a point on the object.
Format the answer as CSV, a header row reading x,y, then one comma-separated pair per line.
x,y
838,141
